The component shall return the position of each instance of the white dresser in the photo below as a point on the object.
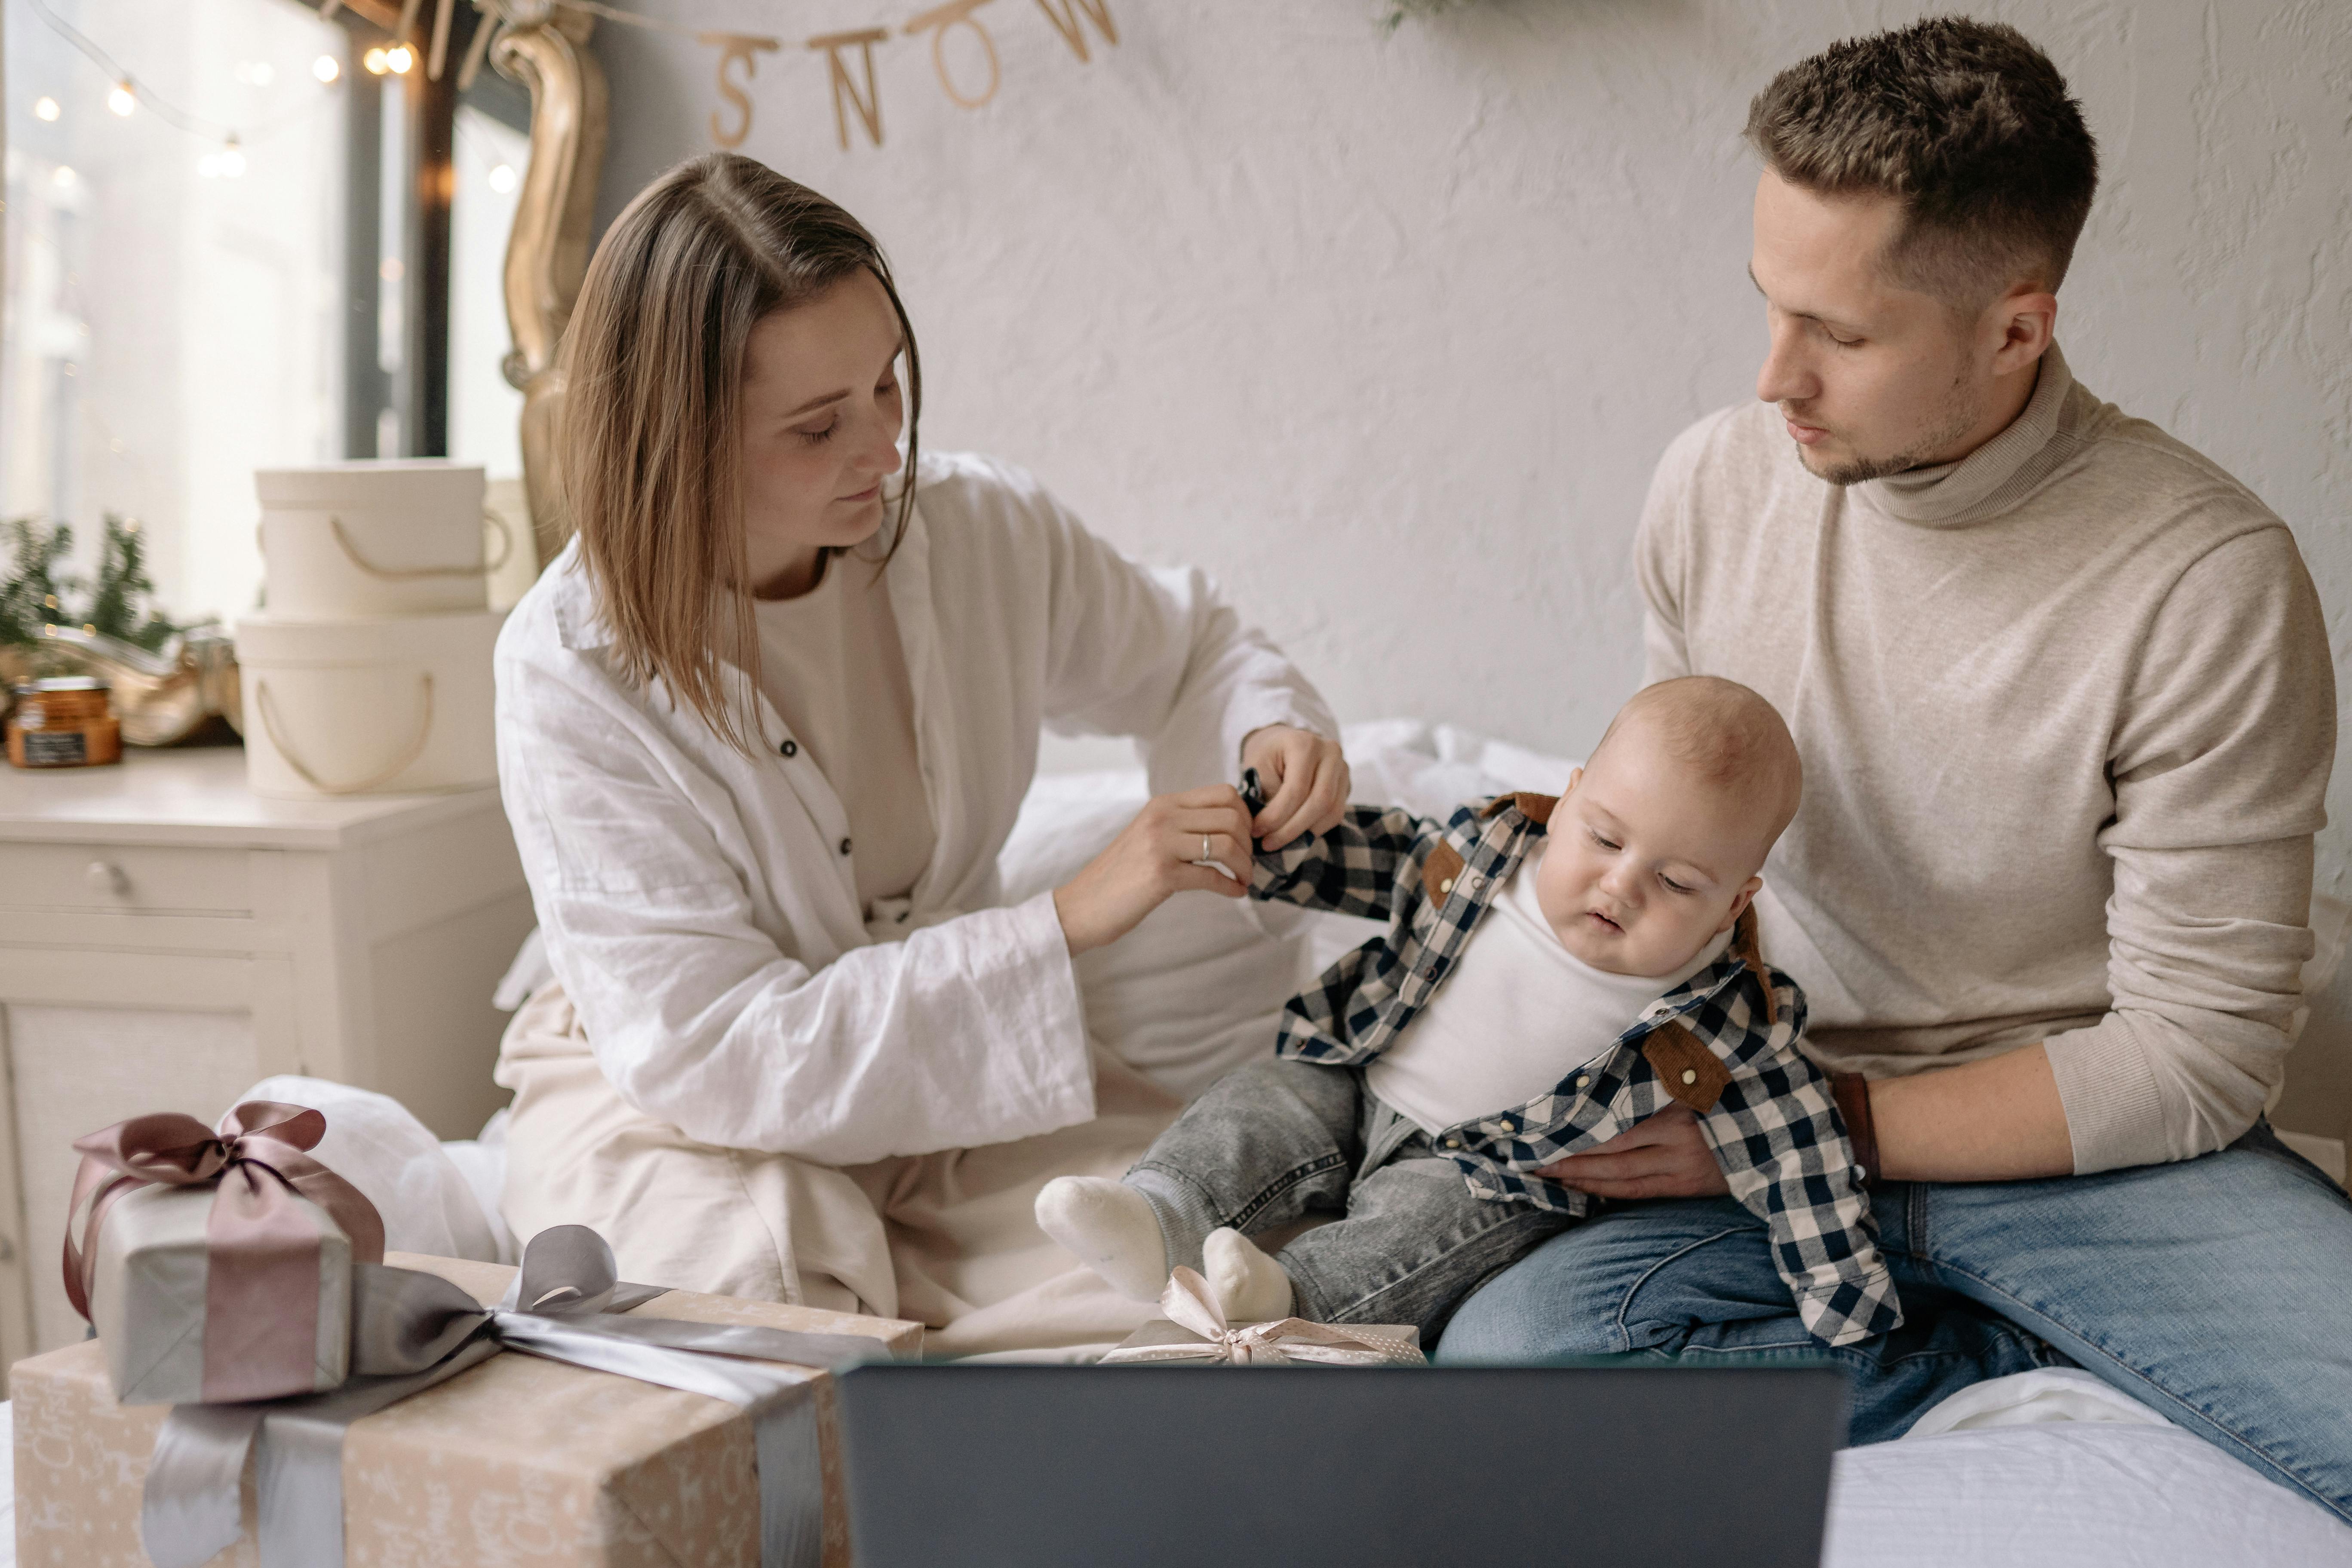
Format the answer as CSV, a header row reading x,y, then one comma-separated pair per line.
x,y
167,938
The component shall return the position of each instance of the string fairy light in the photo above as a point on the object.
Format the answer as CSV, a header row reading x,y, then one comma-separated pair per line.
x,y
1069,19
128,93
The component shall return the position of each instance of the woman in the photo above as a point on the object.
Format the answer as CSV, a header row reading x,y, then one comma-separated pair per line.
x,y
764,728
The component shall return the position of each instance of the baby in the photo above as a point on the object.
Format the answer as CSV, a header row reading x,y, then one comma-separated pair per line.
x,y
1420,1085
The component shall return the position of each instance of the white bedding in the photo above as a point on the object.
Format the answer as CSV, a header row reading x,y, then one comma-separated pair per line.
x,y
2045,1468
2055,1469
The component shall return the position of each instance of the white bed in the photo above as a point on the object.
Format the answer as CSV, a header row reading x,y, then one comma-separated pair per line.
x,y
2048,1467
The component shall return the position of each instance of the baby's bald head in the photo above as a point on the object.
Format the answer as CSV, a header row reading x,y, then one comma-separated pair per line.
x,y
1657,847
1728,736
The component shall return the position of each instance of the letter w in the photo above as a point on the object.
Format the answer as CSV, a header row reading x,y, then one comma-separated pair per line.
x,y
1069,19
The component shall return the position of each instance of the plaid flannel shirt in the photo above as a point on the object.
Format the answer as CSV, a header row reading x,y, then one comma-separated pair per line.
x,y
1724,1043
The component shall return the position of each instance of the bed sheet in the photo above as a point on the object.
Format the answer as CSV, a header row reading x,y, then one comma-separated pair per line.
x,y
2055,1469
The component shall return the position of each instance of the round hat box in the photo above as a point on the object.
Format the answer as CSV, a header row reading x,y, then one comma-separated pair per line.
x,y
394,537
390,706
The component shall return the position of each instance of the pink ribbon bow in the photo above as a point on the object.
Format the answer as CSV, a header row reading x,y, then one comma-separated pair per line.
x,y
261,1282
1192,1306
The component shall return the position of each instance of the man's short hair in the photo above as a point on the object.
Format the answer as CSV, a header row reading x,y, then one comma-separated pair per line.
x,y
1964,122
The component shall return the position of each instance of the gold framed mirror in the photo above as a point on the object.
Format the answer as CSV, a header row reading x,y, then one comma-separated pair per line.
x,y
545,46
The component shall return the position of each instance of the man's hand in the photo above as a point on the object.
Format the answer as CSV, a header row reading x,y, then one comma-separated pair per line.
x,y
1664,1157
1308,775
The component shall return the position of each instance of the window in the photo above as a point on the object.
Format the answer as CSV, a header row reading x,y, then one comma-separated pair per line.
x,y
493,145
252,267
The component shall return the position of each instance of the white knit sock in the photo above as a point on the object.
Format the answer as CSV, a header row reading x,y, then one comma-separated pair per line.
x,y
1251,1287
1111,1229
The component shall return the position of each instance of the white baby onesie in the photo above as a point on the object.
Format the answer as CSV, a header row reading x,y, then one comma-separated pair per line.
x,y
1517,1016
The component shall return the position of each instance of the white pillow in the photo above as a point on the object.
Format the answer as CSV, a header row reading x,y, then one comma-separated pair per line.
x,y
1430,769
1191,993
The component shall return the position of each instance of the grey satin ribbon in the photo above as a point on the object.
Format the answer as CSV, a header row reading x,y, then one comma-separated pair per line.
x,y
411,1330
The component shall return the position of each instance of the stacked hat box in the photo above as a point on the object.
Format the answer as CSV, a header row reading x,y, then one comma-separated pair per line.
x,y
369,671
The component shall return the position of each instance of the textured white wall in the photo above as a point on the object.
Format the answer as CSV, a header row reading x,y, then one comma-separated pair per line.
x,y
1386,331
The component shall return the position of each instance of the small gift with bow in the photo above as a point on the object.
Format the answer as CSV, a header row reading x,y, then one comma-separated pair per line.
x,y
531,1417
215,1263
1195,1331
496,1452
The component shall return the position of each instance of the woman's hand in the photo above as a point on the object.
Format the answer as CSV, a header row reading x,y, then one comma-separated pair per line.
x,y
1154,857
1308,776
1664,1157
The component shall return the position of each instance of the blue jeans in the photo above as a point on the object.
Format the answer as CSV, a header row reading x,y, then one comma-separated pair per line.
x,y
2218,1290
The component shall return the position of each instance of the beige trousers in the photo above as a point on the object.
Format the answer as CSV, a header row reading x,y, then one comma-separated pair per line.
x,y
948,1240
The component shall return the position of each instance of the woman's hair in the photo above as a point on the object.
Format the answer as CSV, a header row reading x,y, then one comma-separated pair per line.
x,y
648,446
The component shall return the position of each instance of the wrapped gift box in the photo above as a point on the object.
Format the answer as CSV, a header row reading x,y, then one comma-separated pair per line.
x,y
1396,1344
147,1296
520,1461
1195,1332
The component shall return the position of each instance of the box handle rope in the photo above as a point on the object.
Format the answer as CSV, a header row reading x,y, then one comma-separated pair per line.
x,y
415,747
411,574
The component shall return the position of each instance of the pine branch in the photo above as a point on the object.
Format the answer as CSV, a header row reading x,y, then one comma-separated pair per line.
x,y
32,594
116,609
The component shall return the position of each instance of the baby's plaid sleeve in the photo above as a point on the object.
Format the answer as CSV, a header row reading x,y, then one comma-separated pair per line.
x,y
1775,1131
1354,868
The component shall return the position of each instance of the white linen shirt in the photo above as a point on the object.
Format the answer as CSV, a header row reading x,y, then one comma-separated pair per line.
x,y
700,905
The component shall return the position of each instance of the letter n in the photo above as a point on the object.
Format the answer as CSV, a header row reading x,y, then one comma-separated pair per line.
x,y
845,96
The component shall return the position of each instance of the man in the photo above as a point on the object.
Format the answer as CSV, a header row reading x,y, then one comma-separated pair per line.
x,y
2066,709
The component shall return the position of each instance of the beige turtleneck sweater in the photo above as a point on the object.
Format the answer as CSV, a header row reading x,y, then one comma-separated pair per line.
x,y
2067,714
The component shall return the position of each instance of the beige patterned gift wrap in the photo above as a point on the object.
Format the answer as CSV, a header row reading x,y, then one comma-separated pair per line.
x,y
520,1461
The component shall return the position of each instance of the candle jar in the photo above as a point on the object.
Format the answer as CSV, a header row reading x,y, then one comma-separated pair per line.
x,y
64,724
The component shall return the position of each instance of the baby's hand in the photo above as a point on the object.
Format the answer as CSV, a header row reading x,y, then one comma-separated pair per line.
x,y
1309,774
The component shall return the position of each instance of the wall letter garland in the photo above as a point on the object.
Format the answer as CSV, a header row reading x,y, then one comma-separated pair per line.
x,y
942,21
845,90
733,47
1070,18
1068,22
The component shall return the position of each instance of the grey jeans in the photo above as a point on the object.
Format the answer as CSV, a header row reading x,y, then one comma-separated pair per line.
x,y
1279,1143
